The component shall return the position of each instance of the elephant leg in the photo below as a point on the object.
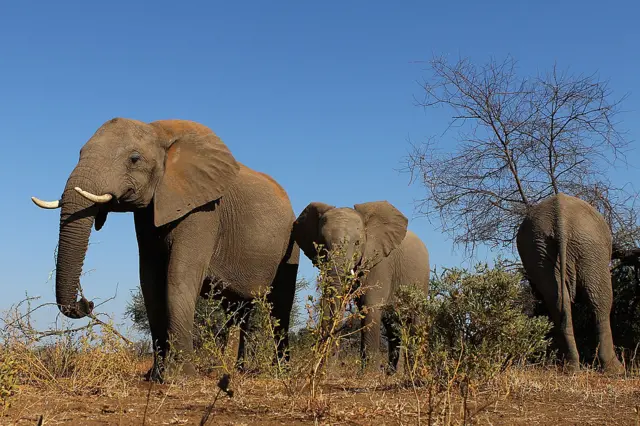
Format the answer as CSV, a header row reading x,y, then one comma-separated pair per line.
x,y
153,268
566,326
222,334
181,311
281,297
393,340
545,281
152,287
370,333
600,298
192,243
559,302
244,317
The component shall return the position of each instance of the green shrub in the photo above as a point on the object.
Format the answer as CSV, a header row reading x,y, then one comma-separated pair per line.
x,y
471,326
625,313
8,378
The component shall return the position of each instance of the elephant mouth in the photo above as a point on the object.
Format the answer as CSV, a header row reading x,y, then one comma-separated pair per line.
x,y
128,195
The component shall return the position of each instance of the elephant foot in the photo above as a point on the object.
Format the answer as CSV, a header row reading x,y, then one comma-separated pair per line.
x,y
174,371
240,366
183,369
154,374
571,367
390,370
614,368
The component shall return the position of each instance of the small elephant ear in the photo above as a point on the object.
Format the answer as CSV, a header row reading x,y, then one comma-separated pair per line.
x,y
306,227
197,170
385,227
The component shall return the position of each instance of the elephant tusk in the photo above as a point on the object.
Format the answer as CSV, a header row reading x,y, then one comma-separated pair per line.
x,y
46,204
98,199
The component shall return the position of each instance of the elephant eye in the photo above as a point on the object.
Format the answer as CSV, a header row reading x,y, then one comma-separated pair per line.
x,y
134,158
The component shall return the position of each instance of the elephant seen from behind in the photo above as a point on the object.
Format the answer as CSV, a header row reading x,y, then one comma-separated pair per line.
x,y
565,248
203,221
374,234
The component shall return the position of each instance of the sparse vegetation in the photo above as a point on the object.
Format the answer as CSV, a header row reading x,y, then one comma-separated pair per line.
x,y
466,333
474,349
8,378
467,352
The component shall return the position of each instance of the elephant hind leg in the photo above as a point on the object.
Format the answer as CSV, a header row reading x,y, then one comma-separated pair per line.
x,y
558,301
565,319
244,318
281,297
600,298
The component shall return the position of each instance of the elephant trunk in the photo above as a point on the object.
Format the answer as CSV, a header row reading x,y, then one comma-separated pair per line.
x,y
76,218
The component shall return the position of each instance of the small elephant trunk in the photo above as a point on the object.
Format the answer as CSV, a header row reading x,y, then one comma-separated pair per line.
x,y
76,218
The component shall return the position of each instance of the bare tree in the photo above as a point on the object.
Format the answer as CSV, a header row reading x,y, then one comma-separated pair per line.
x,y
519,140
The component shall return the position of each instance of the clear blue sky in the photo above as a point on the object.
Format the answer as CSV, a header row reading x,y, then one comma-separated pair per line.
x,y
317,94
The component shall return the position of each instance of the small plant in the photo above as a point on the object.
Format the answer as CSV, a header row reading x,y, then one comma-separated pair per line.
x,y
264,340
470,328
331,315
214,332
92,359
8,378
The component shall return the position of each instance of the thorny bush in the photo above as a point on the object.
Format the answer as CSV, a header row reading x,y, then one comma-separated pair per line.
x,y
332,311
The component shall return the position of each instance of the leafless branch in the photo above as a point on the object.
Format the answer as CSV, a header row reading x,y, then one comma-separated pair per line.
x,y
518,141
19,321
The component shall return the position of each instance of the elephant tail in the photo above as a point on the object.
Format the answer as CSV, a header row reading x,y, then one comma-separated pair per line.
x,y
562,243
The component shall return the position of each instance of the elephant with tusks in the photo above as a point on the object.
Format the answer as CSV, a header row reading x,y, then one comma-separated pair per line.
x,y
202,220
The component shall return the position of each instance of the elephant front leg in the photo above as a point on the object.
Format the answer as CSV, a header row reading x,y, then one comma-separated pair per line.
x,y
191,244
370,341
181,306
153,283
155,301
393,339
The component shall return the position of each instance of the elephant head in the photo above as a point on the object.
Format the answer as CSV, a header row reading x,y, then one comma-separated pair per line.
x,y
175,166
369,231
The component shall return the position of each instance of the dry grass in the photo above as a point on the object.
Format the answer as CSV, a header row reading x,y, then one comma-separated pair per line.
x,y
535,396
93,375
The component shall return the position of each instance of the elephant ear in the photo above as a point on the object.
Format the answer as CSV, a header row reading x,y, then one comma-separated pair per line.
x,y
198,169
306,227
385,227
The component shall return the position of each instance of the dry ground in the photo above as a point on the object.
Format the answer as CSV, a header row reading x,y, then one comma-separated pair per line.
x,y
534,396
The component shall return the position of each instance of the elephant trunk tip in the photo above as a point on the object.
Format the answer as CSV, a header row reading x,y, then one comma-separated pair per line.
x,y
78,309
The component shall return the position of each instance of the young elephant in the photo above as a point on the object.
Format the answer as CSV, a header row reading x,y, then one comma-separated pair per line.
x,y
376,235
565,247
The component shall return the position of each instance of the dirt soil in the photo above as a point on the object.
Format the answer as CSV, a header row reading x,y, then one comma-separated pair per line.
x,y
531,397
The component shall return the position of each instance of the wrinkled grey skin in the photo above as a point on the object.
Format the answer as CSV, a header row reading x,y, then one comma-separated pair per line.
x,y
376,236
565,247
201,219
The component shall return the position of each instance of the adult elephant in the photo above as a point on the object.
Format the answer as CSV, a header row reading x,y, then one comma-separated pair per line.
x,y
374,234
565,247
202,221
